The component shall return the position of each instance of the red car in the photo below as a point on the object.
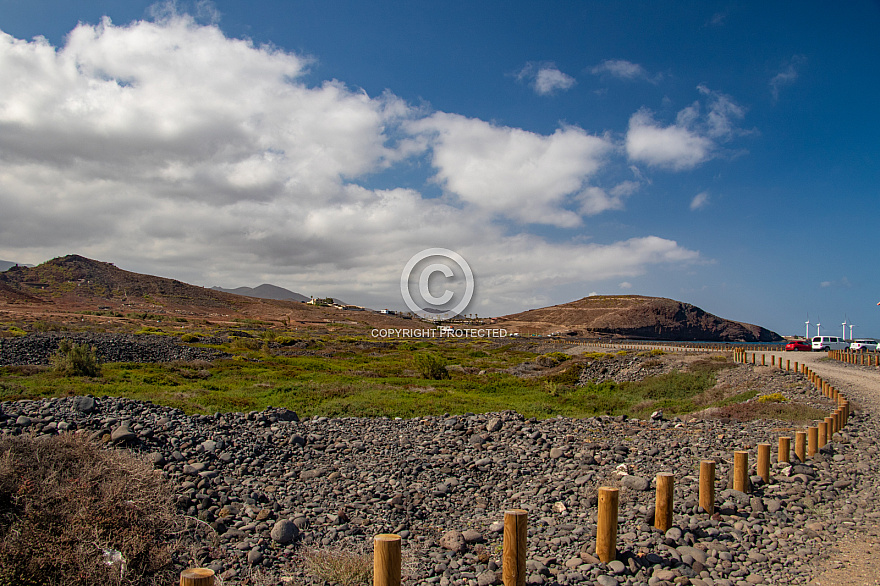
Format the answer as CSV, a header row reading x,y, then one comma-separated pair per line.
x,y
799,346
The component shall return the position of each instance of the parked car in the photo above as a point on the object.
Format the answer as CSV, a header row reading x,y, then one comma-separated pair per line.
x,y
863,345
798,346
825,343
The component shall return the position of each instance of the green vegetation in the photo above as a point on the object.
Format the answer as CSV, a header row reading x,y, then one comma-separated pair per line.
x,y
359,376
76,360
430,366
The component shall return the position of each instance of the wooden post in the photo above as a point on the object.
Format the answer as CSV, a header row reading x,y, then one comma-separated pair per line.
x,y
741,471
606,530
663,501
516,539
763,359
829,428
707,485
386,560
764,462
800,445
788,364
784,449
823,434
812,441
197,577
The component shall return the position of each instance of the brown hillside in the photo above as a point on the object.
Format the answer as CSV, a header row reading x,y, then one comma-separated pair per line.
x,y
634,317
73,283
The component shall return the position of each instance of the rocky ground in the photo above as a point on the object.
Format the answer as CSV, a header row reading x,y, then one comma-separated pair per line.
x,y
37,348
273,487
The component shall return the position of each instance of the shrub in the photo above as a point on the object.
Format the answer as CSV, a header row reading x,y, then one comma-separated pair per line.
x,y
66,506
245,343
76,360
339,565
189,338
430,366
553,358
773,398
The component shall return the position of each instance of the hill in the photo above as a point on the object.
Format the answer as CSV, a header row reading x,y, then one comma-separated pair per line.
x,y
265,291
74,277
634,317
77,285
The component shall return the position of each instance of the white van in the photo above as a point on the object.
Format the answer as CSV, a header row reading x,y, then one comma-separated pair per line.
x,y
825,343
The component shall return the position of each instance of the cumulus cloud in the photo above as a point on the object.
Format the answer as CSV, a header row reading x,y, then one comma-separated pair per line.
x,y
787,76
626,70
514,173
545,78
693,138
171,149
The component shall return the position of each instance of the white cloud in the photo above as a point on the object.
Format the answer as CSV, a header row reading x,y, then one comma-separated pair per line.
x,y
700,201
513,173
626,70
675,147
545,78
168,148
693,138
787,76
625,285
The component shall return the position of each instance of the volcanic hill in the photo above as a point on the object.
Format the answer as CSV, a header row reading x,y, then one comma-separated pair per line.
x,y
634,317
75,284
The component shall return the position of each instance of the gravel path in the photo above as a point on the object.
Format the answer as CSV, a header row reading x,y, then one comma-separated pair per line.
x,y
272,486
857,562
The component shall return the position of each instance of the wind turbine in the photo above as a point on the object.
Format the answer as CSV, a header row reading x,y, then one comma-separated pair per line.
x,y
818,329
843,332
807,336
851,326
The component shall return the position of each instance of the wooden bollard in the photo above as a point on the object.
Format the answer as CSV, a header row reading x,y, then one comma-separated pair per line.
x,y
764,462
763,359
784,449
663,501
800,445
386,560
516,539
829,428
707,485
741,471
788,365
823,434
197,577
513,560
812,441
606,530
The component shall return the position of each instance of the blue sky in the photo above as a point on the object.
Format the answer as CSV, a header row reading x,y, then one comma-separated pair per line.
x,y
719,153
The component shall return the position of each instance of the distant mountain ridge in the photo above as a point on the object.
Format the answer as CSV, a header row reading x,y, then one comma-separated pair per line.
x,y
265,291
8,264
635,317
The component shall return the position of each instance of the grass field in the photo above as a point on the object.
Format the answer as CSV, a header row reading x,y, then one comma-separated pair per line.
x,y
356,376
